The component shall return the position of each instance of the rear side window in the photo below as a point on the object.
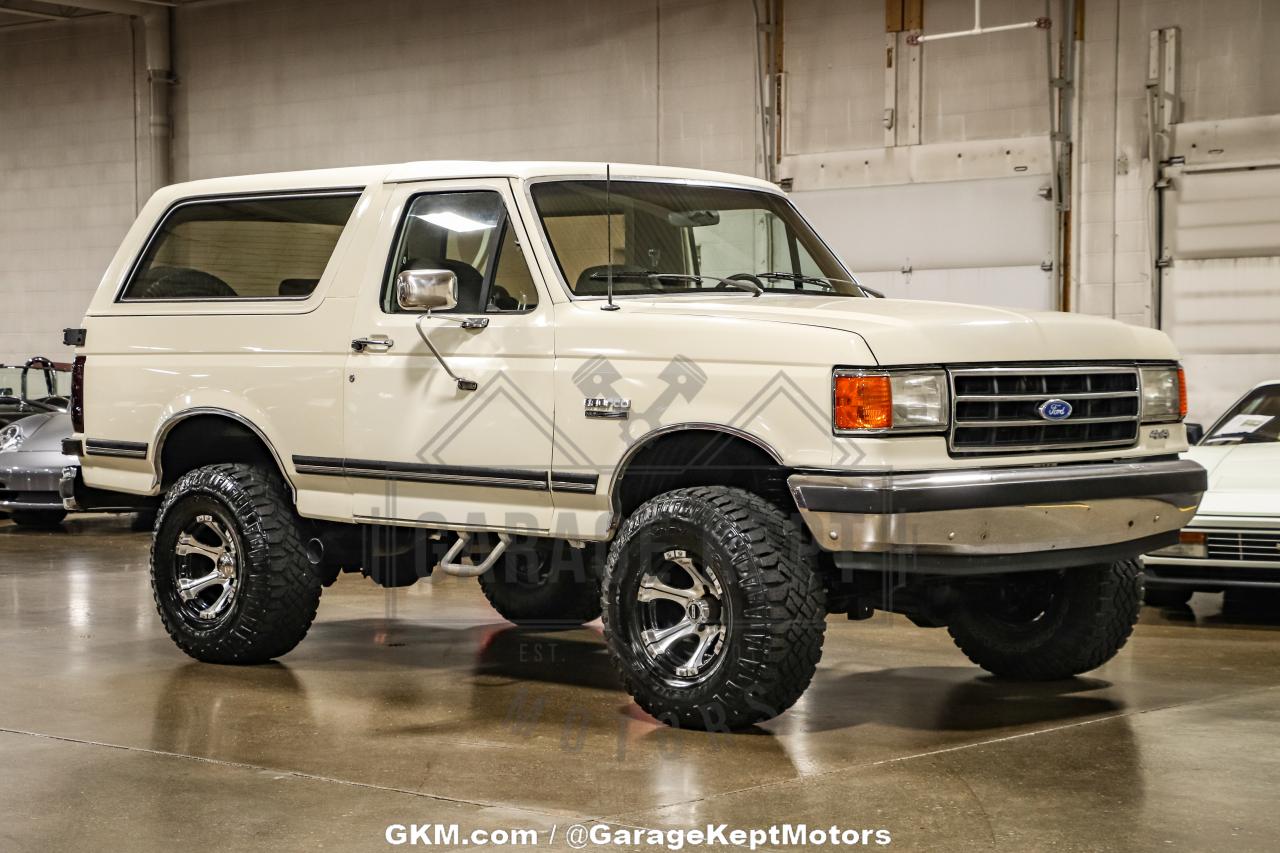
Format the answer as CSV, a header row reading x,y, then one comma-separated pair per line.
x,y
243,248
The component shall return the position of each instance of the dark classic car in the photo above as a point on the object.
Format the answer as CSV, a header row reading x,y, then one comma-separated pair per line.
x,y
37,387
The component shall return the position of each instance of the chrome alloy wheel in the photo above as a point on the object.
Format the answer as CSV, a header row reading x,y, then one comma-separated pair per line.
x,y
207,569
681,616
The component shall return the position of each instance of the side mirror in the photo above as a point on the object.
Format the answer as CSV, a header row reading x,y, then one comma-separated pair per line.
x,y
1195,433
426,290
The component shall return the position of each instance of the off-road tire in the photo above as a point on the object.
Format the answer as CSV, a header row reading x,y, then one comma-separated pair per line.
x,y
770,587
1167,596
546,584
278,596
39,519
1090,619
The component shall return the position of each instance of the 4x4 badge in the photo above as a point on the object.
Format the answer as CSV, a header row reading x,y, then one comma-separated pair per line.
x,y
614,408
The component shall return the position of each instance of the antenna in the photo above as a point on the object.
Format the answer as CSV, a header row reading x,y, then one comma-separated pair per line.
x,y
608,227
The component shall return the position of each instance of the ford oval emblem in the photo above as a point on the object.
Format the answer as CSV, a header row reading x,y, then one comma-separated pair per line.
x,y
1054,410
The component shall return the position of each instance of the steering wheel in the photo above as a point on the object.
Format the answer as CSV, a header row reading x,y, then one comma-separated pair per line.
x,y
742,276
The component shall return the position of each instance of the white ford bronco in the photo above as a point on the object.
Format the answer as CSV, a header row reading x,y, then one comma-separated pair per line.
x,y
644,393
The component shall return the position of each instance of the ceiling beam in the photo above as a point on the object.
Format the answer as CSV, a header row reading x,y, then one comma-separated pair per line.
x,y
44,16
119,7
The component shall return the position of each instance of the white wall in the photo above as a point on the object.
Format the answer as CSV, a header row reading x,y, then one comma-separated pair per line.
x,y
302,83
66,174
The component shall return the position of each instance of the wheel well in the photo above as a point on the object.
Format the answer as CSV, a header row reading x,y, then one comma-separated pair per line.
x,y
699,457
203,440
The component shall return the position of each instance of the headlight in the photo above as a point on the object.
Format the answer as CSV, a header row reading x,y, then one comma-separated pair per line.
x,y
11,438
1164,394
880,401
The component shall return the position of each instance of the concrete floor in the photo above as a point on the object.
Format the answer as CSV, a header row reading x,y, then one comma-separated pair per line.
x,y
422,707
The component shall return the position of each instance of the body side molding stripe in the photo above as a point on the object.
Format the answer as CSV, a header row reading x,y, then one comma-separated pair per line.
x,y
567,482
123,449
457,475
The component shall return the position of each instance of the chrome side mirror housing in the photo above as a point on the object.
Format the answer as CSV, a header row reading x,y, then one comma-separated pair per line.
x,y
426,290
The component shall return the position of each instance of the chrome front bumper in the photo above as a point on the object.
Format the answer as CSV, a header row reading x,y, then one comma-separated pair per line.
x,y
1003,511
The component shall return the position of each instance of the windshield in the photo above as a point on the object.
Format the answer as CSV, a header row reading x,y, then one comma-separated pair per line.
x,y
42,383
677,238
1256,418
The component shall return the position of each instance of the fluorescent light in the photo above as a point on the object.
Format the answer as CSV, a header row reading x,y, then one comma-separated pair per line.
x,y
455,222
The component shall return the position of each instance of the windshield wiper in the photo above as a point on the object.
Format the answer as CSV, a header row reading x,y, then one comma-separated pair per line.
x,y
631,275
828,283
802,279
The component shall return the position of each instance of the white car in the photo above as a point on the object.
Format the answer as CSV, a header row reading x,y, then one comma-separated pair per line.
x,y
1234,539
638,391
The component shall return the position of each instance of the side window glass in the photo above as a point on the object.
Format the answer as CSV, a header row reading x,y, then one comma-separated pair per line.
x,y
246,248
467,234
512,288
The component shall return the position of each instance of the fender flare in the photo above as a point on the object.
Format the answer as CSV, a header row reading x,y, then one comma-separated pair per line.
x,y
620,469
173,420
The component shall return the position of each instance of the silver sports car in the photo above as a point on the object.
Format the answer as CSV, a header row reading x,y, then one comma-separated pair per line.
x,y
31,468
31,464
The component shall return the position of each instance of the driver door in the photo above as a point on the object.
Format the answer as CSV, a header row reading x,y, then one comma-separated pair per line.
x,y
418,447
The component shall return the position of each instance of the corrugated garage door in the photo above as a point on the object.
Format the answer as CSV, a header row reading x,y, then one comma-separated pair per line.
x,y
987,238
1221,289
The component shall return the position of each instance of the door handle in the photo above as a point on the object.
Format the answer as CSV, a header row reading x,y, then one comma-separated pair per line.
x,y
373,343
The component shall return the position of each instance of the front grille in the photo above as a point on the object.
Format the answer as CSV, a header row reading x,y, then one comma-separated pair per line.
x,y
1243,545
996,409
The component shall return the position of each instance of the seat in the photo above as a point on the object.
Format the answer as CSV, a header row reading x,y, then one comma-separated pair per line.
x,y
298,286
182,283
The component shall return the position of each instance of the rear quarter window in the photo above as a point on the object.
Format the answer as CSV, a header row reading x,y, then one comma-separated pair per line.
x,y
273,247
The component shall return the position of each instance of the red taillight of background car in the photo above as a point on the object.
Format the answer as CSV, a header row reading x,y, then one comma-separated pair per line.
x,y
77,395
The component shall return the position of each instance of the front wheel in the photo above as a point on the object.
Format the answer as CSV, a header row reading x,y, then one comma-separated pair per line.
x,y
1043,626
713,610
228,571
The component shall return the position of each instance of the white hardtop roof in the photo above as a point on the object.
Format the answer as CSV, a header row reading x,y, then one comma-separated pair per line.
x,y
426,170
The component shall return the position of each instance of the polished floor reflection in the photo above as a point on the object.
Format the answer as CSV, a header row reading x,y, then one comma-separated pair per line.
x,y
421,706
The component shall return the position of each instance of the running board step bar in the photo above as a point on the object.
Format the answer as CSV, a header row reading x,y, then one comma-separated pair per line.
x,y
451,565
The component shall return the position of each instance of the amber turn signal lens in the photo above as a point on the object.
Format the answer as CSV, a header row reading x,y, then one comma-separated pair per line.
x,y
1182,392
863,402
1190,538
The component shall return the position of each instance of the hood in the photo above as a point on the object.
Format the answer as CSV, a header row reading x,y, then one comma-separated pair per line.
x,y
905,331
44,433
1244,479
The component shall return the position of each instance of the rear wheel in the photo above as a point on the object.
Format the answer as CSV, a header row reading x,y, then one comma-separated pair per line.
x,y
1041,626
228,571
39,519
545,583
713,610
